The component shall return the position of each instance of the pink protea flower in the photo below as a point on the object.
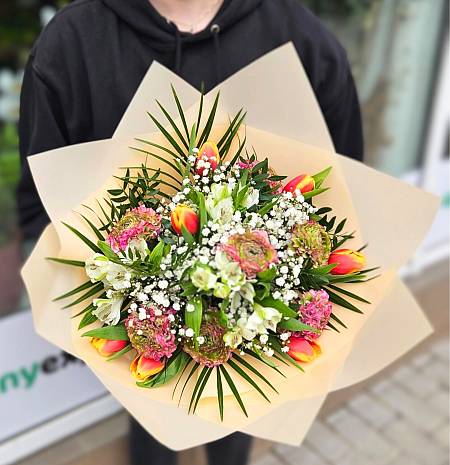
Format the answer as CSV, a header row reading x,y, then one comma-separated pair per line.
x,y
314,310
149,330
252,250
141,222
212,351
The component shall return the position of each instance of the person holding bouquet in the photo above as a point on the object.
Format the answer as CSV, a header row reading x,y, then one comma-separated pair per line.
x,y
89,60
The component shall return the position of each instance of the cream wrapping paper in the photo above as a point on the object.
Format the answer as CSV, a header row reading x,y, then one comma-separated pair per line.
x,y
284,123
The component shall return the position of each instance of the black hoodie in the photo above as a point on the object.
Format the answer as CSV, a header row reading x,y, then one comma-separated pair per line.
x,y
89,60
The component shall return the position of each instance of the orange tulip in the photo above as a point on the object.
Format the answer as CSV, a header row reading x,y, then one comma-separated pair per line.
x,y
303,183
185,216
107,347
208,153
142,368
348,261
303,350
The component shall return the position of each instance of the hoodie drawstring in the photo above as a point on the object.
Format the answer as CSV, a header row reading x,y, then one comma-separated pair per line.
x,y
215,29
178,45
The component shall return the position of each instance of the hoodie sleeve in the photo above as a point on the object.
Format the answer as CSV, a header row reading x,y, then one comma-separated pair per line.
x,y
343,117
41,128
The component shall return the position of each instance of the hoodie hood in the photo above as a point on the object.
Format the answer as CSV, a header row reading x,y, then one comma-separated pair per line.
x,y
141,16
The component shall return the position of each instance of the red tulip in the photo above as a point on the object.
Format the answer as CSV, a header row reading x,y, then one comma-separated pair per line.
x,y
209,153
303,183
107,347
185,216
143,368
348,261
302,350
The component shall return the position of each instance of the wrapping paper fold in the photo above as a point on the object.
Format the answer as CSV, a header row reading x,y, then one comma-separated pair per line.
x,y
285,124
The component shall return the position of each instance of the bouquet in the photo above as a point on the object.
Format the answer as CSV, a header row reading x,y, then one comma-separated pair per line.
x,y
215,266
216,272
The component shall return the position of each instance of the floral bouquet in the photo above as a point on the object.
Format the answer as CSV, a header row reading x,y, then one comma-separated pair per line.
x,y
217,266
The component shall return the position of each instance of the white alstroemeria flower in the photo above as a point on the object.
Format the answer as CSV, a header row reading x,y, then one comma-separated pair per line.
x,y
108,310
96,267
203,278
139,248
252,198
262,319
118,277
247,292
221,291
232,338
221,211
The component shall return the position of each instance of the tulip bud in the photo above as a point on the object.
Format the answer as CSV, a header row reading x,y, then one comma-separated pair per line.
x,y
185,216
302,350
107,347
348,261
209,153
142,368
303,183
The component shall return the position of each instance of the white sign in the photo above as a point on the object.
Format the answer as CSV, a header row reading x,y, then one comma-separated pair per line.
x,y
37,380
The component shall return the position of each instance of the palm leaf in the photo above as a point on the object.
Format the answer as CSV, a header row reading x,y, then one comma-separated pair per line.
x,y
194,368
87,241
207,129
219,393
174,126
348,294
254,370
80,288
247,378
66,261
199,387
96,289
169,138
180,111
93,227
338,300
233,388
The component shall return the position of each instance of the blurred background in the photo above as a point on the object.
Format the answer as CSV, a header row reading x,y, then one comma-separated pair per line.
x,y
400,58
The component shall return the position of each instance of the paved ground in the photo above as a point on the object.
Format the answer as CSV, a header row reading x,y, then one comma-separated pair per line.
x,y
403,420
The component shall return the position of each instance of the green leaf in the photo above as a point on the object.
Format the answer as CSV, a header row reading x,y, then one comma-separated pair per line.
x,y
280,306
233,388
94,290
88,242
254,370
194,368
219,393
247,378
156,254
169,138
201,388
188,237
180,111
348,294
66,261
119,354
319,178
80,288
88,319
113,333
207,129
337,320
173,367
202,212
313,193
266,360
266,208
93,227
338,300
268,275
229,129
107,251
295,325
277,347
194,319
174,126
